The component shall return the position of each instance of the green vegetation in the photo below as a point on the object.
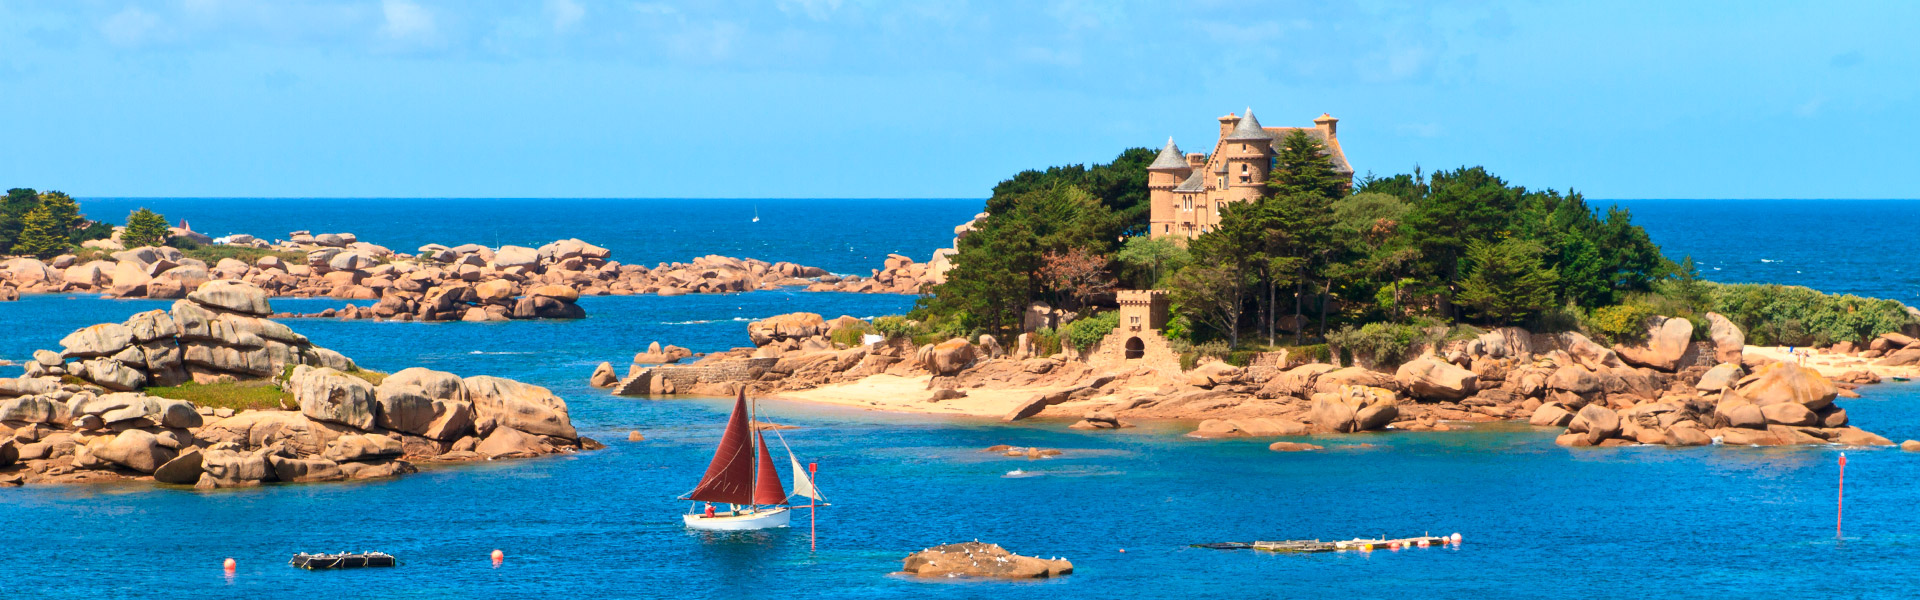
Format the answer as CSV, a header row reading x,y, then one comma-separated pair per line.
x,y
144,228
851,335
1369,268
240,395
1084,333
1386,343
44,225
211,254
895,327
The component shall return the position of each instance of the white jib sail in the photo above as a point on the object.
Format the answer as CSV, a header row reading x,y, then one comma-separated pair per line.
x,y
802,485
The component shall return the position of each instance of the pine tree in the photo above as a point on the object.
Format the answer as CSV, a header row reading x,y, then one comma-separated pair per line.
x,y
1303,167
1508,282
48,228
144,228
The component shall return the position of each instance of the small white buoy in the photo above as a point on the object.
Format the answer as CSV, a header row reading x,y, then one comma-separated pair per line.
x,y
1456,537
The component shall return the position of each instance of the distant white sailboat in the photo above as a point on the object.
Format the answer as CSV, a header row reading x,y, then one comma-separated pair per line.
x,y
756,213
742,475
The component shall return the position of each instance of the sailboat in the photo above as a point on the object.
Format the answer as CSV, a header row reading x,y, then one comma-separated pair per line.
x,y
743,477
756,213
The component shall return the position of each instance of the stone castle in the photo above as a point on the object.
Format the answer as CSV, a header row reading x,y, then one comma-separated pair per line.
x,y
1186,190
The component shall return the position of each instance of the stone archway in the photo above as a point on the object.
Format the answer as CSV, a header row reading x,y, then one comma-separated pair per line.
x,y
1135,348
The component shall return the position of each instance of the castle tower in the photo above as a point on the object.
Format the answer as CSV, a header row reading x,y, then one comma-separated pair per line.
x,y
1141,310
1168,171
1249,154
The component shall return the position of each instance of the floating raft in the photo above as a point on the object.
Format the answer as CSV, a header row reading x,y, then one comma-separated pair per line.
x,y
313,562
1357,544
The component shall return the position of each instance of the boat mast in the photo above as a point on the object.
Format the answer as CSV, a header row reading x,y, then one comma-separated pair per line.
x,y
753,425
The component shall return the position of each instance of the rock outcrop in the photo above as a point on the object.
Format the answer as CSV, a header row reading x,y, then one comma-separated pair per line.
x,y
99,425
976,559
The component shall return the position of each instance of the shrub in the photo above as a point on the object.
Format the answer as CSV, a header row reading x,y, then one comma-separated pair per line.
x,y
1214,348
1084,333
1620,323
851,335
1046,342
1386,343
895,327
1800,316
211,254
1241,358
1310,353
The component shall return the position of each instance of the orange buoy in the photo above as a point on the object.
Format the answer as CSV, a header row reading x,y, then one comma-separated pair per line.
x,y
1421,543
1366,547
229,565
498,556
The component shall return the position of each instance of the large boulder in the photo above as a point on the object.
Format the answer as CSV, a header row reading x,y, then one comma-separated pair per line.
x,y
184,469
949,357
113,375
231,295
362,447
134,449
226,467
786,327
1720,377
1550,414
1213,373
422,401
976,559
1596,423
512,443
1787,382
1429,378
104,339
529,408
151,325
1729,343
516,256
328,395
1353,408
1666,340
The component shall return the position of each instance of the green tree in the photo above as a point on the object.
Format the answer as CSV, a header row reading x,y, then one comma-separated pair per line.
x,y
1508,282
1148,261
1214,296
1303,166
47,230
13,211
1460,208
144,228
998,271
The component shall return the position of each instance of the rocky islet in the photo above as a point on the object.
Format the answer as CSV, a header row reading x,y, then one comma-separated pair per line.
x,y
80,415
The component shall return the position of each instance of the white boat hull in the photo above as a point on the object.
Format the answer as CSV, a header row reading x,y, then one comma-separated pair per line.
x,y
765,519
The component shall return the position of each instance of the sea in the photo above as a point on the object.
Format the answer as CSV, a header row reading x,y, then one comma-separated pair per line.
x,y
1536,520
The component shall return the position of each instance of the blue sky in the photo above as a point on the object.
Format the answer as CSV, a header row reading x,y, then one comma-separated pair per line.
x,y
852,98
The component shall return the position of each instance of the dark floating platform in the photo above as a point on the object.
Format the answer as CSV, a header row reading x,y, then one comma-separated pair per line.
x,y
314,562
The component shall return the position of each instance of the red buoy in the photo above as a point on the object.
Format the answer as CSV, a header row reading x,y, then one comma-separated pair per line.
x,y
229,565
498,556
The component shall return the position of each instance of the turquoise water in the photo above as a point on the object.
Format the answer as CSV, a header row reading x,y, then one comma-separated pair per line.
x,y
1539,521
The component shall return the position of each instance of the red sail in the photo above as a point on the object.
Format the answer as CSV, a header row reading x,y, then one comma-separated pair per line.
x,y
730,476
768,490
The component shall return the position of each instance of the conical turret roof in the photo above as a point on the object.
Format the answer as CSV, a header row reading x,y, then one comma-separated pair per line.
x,y
1194,183
1170,158
1248,129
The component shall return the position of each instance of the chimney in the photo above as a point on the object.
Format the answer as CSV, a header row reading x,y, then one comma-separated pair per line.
x,y
1227,123
1326,123
1196,160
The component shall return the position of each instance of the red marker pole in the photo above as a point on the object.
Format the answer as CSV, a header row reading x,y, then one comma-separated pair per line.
x,y
1841,514
813,508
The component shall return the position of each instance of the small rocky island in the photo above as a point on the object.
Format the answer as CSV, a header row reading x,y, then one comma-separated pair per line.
x,y
465,282
977,559
110,405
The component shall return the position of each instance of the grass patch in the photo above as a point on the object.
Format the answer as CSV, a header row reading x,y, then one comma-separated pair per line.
x,y
211,254
239,395
373,377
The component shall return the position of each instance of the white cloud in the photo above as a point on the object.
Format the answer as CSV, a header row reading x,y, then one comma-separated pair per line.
x,y
131,27
566,14
407,22
817,10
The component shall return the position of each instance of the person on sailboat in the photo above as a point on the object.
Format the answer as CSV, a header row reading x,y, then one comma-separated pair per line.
x,y
709,511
